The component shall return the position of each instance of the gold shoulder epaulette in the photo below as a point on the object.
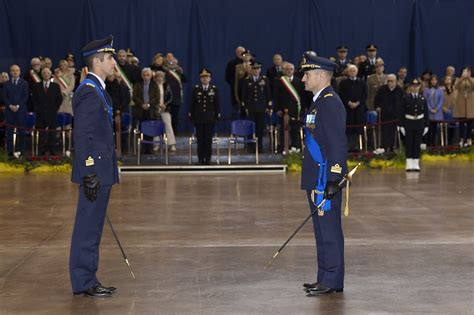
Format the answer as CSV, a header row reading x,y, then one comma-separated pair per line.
x,y
327,95
90,84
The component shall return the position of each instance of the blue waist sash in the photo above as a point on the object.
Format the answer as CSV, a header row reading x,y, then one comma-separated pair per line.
x,y
315,152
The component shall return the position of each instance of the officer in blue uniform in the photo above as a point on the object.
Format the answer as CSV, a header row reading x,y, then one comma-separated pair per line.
x,y
324,165
94,167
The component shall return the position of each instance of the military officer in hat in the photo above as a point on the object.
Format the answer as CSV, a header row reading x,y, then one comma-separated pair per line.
x,y
341,60
256,99
204,111
414,118
367,67
324,165
94,167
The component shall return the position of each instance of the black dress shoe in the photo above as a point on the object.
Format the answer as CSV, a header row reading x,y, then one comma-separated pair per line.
x,y
110,289
321,289
309,285
96,291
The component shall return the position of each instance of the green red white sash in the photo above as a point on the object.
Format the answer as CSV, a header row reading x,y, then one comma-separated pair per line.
x,y
124,77
176,76
291,89
63,82
35,76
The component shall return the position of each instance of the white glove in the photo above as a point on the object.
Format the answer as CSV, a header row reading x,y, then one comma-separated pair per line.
x,y
425,131
402,130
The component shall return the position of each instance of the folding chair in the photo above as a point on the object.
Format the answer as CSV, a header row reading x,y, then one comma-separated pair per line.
x,y
152,128
240,131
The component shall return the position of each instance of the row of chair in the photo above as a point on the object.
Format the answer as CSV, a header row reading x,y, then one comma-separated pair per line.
x,y
242,132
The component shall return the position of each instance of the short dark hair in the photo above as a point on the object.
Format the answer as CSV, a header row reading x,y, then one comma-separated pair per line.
x,y
89,60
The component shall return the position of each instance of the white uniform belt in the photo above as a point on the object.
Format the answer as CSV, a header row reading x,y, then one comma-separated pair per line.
x,y
416,117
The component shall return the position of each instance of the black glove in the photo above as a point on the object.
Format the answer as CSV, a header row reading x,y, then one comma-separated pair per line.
x,y
330,190
91,187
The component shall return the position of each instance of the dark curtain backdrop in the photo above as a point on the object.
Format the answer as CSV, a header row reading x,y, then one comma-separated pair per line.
x,y
417,33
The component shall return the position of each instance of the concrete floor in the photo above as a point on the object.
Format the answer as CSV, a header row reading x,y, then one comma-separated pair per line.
x,y
198,245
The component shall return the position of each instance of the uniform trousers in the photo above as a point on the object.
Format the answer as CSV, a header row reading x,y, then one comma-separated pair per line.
x,y
17,119
329,243
413,138
86,236
204,133
259,119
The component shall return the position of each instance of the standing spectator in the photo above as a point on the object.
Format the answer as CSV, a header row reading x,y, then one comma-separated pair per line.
x,y
276,70
287,92
341,60
175,78
129,73
118,92
256,99
464,105
449,101
402,80
15,97
46,99
414,124
71,60
3,79
230,73
32,76
353,93
204,111
146,99
242,71
387,102
158,63
165,100
450,72
435,99
66,80
367,67
48,63
374,82
425,78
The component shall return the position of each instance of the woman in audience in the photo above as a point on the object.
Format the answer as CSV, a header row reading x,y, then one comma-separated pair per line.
x,y
166,97
449,99
435,99
464,105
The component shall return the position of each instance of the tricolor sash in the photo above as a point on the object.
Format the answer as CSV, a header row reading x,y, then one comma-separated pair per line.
x,y
63,82
291,89
176,76
35,76
124,77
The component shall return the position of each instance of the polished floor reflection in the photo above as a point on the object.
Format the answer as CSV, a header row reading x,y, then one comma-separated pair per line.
x,y
198,245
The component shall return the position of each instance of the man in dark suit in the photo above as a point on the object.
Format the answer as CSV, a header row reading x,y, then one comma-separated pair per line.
x,y
324,165
276,70
353,92
94,167
175,78
287,92
46,98
204,111
15,97
130,73
146,99
256,99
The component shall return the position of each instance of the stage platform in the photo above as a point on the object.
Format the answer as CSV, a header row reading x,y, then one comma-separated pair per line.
x,y
198,245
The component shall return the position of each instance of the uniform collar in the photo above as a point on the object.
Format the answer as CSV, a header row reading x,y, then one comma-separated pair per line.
x,y
102,83
315,97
